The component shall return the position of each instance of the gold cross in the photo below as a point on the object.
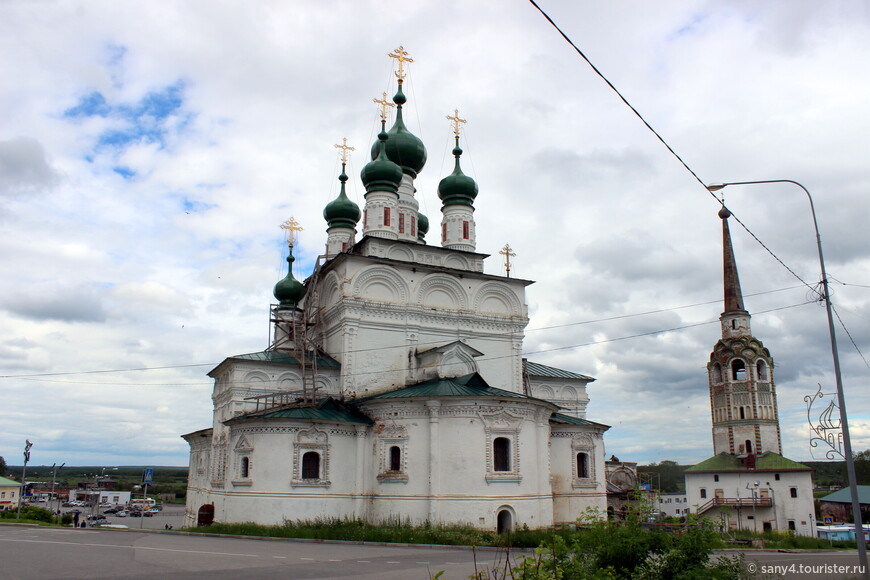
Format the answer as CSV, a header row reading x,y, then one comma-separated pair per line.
x,y
344,149
507,252
291,226
402,57
456,121
383,104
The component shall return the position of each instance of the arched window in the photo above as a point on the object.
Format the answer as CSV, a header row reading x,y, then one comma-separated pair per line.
x,y
761,370
582,465
717,373
395,458
749,447
245,470
501,448
738,370
742,413
311,465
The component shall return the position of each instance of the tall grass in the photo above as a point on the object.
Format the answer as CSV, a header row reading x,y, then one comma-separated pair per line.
x,y
393,531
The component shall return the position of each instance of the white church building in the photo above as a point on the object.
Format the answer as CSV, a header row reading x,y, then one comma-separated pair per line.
x,y
747,484
394,386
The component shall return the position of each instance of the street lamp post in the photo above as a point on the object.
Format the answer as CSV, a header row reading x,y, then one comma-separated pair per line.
x,y
54,469
27,446
841,399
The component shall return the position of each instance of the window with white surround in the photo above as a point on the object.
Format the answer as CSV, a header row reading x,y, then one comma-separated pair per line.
x,y
502,452
583,452
392,446
243,452
311,459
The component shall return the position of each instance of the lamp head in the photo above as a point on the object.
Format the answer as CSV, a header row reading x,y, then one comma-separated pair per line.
x,y
716,186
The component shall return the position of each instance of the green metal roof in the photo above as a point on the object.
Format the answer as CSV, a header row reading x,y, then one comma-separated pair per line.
x,y
765,462
845,495
538,370
328,410
563,419
5,482
282,357
471,385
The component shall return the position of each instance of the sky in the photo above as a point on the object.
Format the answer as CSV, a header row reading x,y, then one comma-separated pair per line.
x,y
150,150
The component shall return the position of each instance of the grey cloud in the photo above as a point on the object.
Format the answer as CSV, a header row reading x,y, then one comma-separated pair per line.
x,y
24,167
81,303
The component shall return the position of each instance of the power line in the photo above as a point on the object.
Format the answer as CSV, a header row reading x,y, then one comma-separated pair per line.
x,y
483,358
849,334
362,350
662,140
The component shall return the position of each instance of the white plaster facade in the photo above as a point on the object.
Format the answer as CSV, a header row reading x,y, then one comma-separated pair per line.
x,y
755,500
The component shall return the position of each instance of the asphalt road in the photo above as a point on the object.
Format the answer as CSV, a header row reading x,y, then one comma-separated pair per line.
x,y
34,553
40,553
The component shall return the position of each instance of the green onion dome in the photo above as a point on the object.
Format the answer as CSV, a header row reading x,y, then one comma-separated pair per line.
x,y
289,291
422,226
381,174
457,188
403,147
341,212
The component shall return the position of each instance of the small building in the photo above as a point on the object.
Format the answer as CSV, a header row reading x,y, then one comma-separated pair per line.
x,y
775,493
841,533
838,505
9,490
672,505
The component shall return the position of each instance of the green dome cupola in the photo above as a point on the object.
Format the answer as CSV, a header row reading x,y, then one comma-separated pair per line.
x,y
381,174
403,147
422,226
457,188
289,291
342,212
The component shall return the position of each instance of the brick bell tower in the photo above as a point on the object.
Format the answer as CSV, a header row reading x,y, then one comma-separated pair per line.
x,y
740,374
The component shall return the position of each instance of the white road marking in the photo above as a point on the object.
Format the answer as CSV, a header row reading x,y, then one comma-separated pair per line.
x,y
363,561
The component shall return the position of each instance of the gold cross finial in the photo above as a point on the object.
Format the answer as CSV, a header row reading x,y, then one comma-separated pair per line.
x,y
344,149
508,253
291,226
383,103
455,120
401,55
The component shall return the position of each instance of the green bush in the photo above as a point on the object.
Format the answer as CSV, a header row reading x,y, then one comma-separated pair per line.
x,y
31,513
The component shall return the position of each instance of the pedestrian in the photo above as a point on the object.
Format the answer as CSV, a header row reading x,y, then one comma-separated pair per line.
x,y
75,520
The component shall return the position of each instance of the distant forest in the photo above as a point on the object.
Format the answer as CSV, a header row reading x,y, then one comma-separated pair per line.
x,y
166,479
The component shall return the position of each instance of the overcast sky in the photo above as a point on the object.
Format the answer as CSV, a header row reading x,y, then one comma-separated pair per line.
x,y
149,151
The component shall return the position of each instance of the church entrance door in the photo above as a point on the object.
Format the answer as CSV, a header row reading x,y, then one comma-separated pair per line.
x,y
505,525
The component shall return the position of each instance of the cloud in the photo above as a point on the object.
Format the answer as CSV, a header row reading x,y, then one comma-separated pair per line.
x,y
57,301
24,167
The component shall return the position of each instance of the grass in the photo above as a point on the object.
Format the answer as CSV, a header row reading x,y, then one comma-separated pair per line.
x,y
393,532
787,541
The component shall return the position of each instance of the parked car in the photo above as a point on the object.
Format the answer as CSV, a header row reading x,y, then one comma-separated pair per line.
x,y
112,510
157,507
121,514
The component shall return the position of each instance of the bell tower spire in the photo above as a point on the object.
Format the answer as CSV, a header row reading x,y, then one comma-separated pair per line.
x,y
740,374
735,318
